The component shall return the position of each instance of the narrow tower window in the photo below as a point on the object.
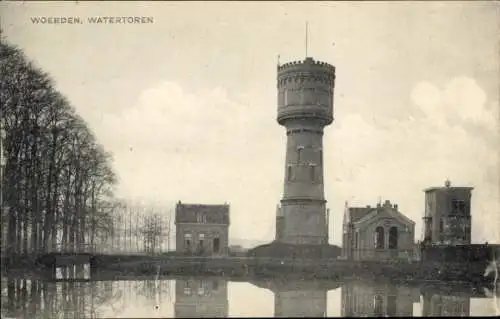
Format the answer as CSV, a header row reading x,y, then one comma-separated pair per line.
x,y
299,153
312,172
320,157
289,173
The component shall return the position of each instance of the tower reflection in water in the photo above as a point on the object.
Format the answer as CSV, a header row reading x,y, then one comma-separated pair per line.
x,y
360,299
200,298
300,301
295,298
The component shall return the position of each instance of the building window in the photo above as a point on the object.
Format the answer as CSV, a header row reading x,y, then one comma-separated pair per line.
x,y
321,157
215,285
379,237
289,173
458,207
392,305
300,148
356,240
187,288
378,305
312,172
187,241
393,238
441,226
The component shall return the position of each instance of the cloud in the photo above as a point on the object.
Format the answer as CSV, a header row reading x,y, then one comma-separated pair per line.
x,y
457,138
207,146
201,146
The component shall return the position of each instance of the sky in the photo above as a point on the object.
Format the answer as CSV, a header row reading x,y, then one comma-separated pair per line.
x,y
187,104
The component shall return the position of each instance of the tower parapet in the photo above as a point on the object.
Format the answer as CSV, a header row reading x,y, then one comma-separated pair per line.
x,y
305,91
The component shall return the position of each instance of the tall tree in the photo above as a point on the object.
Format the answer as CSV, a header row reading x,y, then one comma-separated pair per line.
x,y
58,181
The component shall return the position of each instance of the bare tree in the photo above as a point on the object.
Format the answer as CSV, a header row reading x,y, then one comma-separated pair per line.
x,y
58,182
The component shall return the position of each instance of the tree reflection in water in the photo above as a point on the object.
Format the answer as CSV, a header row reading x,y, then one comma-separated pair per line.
x,y
25,297
154,290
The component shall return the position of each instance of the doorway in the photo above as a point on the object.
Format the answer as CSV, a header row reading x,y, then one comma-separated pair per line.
x,y
216,245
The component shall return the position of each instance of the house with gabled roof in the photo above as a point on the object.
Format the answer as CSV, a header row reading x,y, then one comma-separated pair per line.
x,y
377,233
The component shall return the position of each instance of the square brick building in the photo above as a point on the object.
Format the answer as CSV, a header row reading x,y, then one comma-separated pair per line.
x,y
202,229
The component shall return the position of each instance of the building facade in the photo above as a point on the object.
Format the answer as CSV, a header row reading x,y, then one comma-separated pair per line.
x,y
201,298
377,233
447,217
305,107
202,229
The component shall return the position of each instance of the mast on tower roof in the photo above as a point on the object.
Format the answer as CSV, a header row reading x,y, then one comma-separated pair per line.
x,y
307,31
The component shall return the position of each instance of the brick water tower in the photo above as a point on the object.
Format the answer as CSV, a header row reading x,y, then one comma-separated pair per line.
x,y
305,107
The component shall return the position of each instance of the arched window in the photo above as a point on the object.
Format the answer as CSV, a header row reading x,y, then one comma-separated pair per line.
x,y
379,237
393,238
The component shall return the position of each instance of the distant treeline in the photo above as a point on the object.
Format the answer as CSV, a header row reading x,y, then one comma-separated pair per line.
x,y
57,183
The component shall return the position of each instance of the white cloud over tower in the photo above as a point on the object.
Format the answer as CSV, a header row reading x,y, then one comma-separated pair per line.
x,y
208,146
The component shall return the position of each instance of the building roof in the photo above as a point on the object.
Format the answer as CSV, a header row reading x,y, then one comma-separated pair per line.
x,y
356,213
185,205
437,188
447,186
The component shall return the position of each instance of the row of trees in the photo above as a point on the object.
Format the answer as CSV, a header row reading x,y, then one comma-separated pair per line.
x,y
138,228
57,181
57,186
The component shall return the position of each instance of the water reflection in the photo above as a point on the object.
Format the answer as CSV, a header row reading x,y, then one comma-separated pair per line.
x,y
361,299
440,304
73,272
212,297
201,298
27,297
300,302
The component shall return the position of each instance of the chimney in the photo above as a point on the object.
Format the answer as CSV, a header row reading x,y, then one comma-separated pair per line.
x,y
396,206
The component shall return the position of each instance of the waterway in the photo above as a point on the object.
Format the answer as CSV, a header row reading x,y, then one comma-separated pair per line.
x,y
168,297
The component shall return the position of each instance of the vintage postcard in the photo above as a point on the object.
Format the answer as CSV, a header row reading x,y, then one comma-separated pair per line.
x,y
168,159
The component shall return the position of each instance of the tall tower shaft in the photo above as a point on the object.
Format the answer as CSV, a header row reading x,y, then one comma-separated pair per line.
x,y
305,107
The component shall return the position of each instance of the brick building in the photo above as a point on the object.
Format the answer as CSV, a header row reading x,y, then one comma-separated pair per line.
x,y
202,229
379,233
447,217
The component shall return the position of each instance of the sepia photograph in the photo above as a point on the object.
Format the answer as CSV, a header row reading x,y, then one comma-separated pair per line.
x,y
190,159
